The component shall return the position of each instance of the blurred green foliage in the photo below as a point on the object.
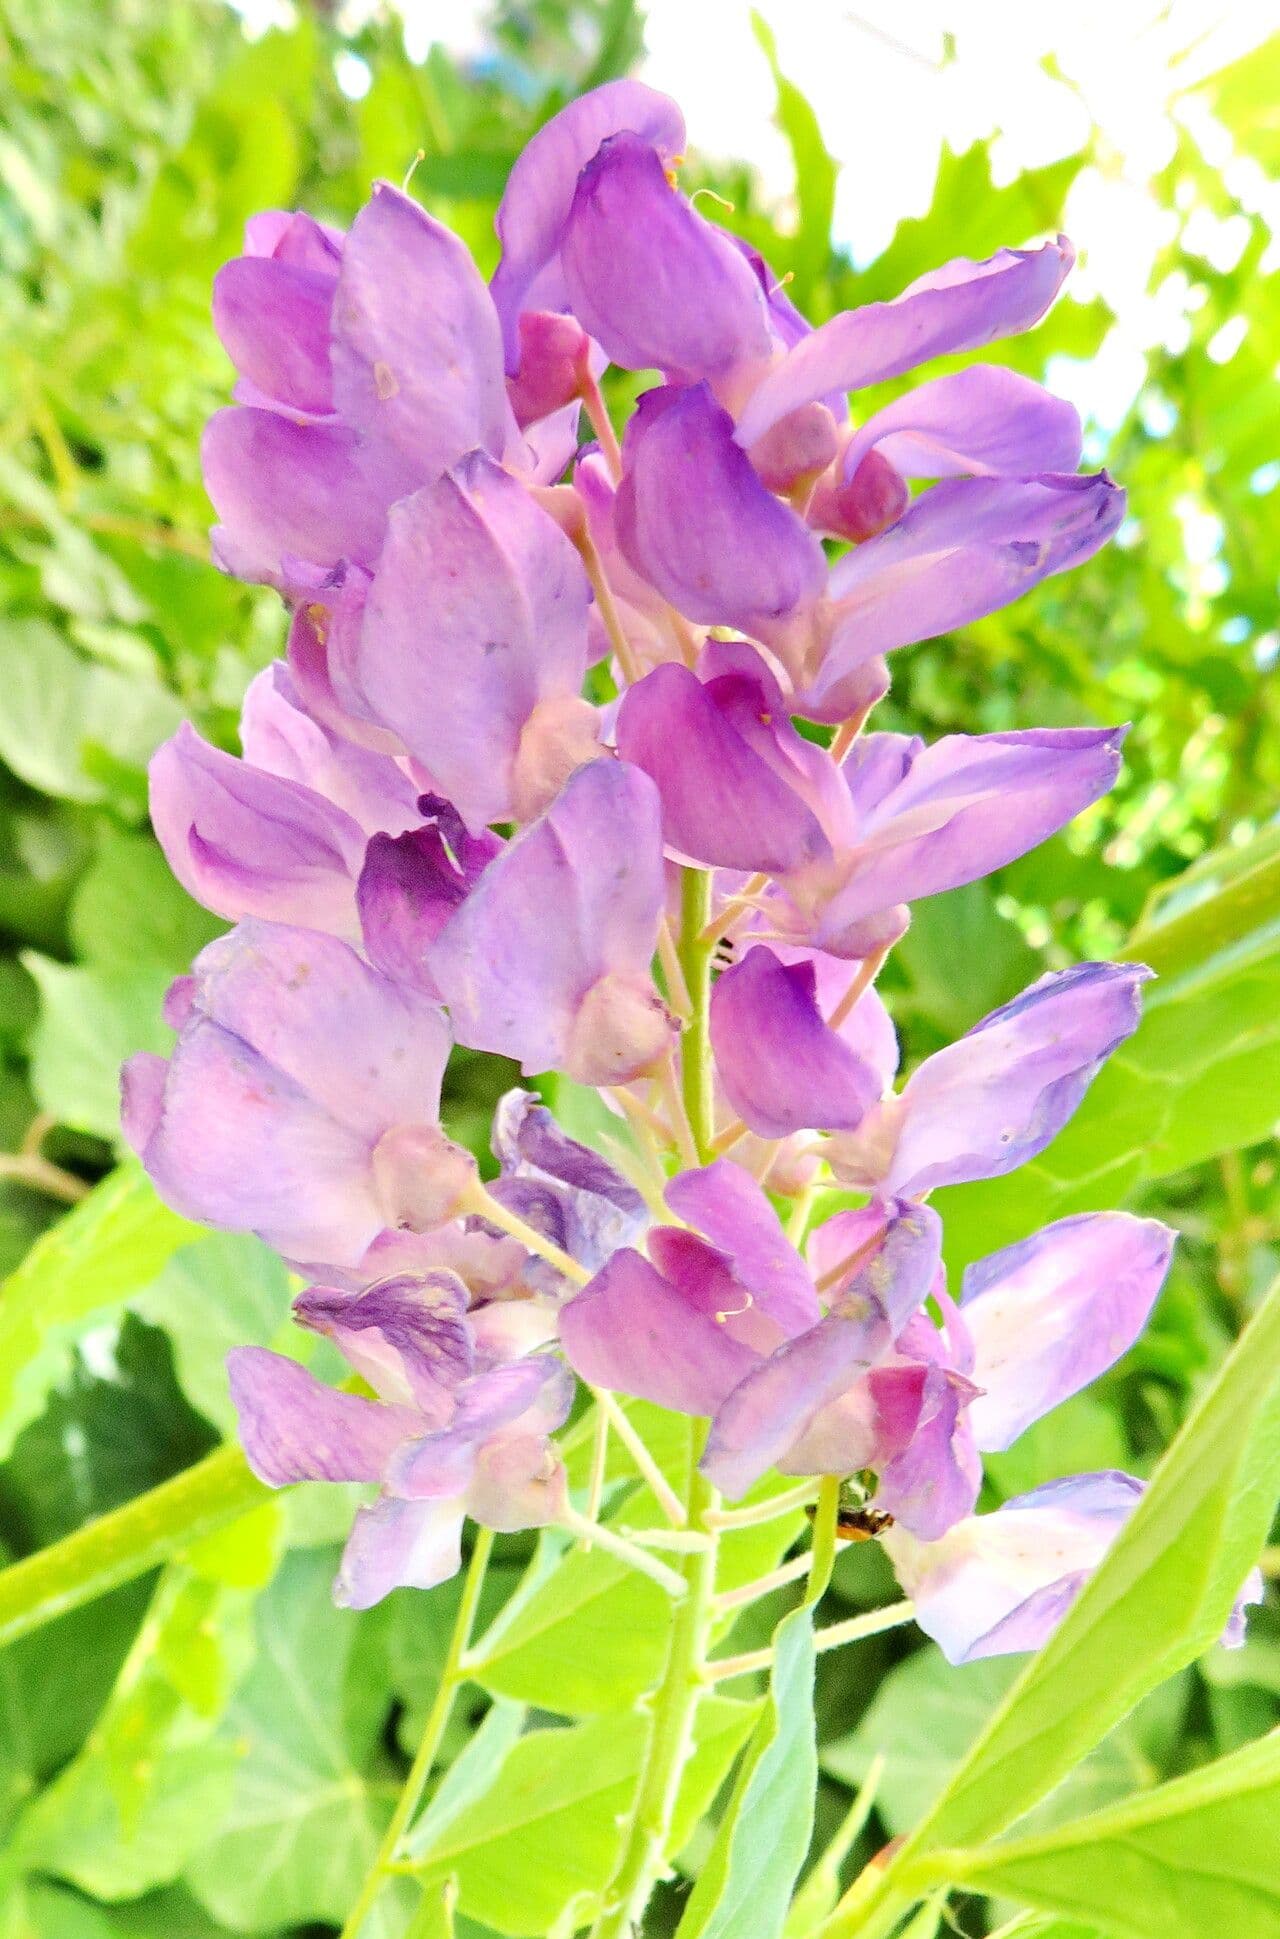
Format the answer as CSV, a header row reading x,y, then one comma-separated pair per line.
x,y
234,1774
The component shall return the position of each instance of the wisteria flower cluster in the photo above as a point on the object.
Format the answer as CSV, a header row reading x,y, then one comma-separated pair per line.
x,y
529,780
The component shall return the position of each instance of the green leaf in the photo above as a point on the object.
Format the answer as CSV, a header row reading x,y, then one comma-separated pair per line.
x,y
90,1021
927,1713
59,707
1201,1076
124,1816
747,1881
549,1828
306,1813
84,1267
1161,1596
589,1634
1196,1856
128,909
226,1290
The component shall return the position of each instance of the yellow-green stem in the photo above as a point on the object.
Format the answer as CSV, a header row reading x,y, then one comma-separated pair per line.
x,y
695,1041
126,1543
452,1676
823,1558
648,1828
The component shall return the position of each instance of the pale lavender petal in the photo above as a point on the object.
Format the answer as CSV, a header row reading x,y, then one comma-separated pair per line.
x,y
282,490
247,843
535,1391
656,284
508,599
542,183
999,1583
279,735
293,1428
964,806
407,1335
519,1482
965,548
236,1144
417,349
272,318
294,238
996,1098
723,803
1051,1313
727,1206
781,1067
367,1050
398,1545
959,307
574,993
981,421
635,1332
696,522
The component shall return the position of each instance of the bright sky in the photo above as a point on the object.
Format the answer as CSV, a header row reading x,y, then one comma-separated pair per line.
x,y
887,95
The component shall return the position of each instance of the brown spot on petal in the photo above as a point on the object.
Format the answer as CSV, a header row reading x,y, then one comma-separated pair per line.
x,y
385,381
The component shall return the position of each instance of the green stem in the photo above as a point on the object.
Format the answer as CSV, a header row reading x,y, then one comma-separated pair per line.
x,y
452,1676
823,1557
675,1702
695,1043
127,1542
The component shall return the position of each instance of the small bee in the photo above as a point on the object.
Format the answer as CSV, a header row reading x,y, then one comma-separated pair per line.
x,y
855,1520
725,953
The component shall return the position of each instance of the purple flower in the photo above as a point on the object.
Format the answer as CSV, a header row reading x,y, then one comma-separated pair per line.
x,y
411,884
456,1429
849,846
563,1189
961,306
997,1097
409,341
489,702
301,1100
547,960
282,833
781,1068
542,184
1001,1583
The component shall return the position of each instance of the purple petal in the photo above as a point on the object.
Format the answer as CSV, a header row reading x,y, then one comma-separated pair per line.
x,y
561,1187
541,186
934,1481
411,884
984,420
960,307
247,843
636,1332
534,1392
280,736
273,321
696,522
407,1335
727,1206
723,802
965,806
1049,1314
575,993
398,1545
365,1049
999,1583
781,1067
508,601
965,548
656,284
294,1428
764,1422
316,492
294,238
417,351
996,1098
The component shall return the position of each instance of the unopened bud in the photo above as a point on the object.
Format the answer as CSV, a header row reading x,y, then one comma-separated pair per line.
x,y
800,447
553,357
859,507
622,1029
421,1177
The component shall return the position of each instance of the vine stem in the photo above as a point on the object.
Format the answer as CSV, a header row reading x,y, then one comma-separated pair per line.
x,y
643,1854
452,1676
